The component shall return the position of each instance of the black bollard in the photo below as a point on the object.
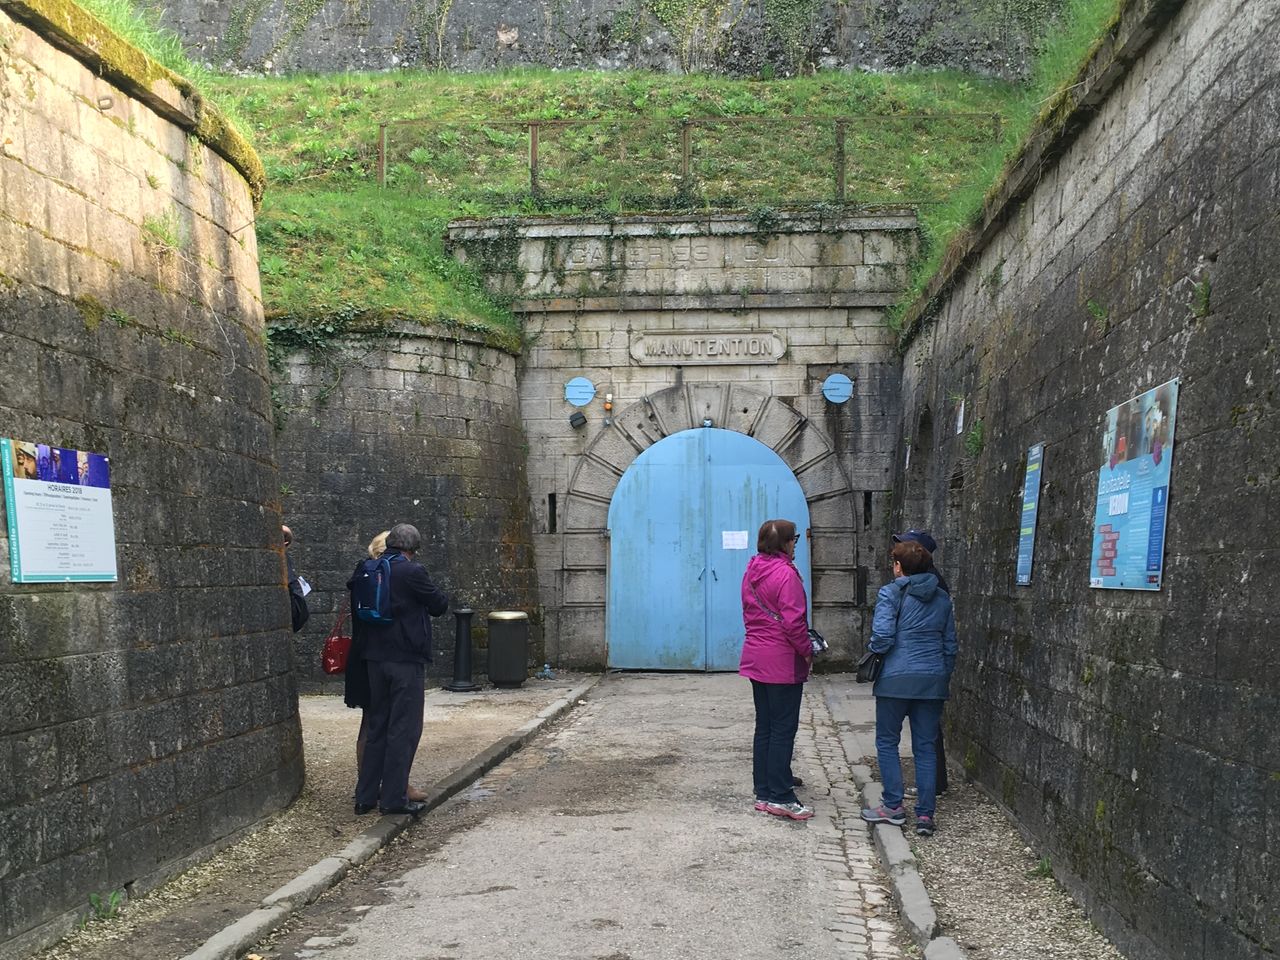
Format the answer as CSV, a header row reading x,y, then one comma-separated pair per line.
x,y
461,682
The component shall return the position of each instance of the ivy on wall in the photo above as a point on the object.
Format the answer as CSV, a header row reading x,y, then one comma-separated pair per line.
x,y
696,26
792,21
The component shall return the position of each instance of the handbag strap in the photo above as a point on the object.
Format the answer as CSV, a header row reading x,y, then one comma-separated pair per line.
x,y
776,616
342,619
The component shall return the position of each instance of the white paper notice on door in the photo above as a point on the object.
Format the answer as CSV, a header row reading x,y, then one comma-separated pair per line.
x,y
733,539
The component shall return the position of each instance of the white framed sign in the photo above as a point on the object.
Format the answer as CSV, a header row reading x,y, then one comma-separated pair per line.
x,y
58,504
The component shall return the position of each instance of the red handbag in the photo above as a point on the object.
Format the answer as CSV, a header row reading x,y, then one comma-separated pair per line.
x,y
337,646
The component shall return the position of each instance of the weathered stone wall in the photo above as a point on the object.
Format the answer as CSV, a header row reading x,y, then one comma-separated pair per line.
x,y
418,427
1129,732
145,720
592,295
984,36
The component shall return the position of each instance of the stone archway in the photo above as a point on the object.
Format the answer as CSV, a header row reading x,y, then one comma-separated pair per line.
x,y
800,443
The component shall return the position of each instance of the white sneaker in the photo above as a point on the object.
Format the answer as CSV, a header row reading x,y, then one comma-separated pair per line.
x,y
794,811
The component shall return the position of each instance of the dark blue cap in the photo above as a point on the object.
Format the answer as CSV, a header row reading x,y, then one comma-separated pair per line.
x,y
918,536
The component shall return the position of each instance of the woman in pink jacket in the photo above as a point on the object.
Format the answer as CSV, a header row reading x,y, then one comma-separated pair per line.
x,y
775,658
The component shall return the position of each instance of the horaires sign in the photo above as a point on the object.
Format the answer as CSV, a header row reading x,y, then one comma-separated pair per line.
x,y
674,347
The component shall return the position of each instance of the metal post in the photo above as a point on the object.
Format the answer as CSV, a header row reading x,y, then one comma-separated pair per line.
x,y
840,161
533,160
686,152
461,682
382,154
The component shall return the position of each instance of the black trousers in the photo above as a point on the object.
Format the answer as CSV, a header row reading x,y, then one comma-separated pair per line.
x,y
777,719
394,716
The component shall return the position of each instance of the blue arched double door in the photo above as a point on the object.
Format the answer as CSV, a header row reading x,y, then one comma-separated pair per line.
x,y
682,526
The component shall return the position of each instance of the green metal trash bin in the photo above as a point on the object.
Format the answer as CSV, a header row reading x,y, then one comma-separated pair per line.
x,y
508,648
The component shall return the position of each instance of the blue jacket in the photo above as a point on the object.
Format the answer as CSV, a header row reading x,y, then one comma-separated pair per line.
x,y
915,628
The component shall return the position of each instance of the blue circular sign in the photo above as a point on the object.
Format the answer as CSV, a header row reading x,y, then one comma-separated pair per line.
x,y
837,388
579,391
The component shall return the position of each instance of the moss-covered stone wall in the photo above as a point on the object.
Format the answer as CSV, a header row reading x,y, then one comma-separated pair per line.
x,y
1128,731
147,720
416,425
775,38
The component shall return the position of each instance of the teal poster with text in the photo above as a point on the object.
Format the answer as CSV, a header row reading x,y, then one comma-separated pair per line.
x,y
1133,491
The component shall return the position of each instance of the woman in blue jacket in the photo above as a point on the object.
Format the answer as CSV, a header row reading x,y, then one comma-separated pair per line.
x,y
915,628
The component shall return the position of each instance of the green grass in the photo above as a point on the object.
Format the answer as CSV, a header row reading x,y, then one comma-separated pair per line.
x,y
332,243
329,236
374,253
1063,51
139,25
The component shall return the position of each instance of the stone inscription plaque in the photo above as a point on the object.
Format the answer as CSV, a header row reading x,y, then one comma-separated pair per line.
x,y
673,347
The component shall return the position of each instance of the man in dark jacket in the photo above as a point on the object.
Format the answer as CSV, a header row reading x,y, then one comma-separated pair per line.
x,y
923,538
395,654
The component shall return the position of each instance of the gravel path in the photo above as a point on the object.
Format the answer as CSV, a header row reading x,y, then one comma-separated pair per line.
x,y
992,893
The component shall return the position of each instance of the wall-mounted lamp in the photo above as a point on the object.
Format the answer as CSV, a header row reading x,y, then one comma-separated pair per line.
x,y
706,422
106,103
577,420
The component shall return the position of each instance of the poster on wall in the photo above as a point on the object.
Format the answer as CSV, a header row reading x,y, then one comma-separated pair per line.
x,y
58,503
1030,510
1133,491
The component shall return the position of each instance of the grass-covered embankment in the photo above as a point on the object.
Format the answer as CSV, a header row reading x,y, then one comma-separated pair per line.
x,y
332,240
334,244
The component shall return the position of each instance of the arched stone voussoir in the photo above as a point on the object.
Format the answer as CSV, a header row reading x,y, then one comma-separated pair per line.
x,y
584,513
802,445
744,409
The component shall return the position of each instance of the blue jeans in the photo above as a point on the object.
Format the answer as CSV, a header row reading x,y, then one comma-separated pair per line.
x,y
777,717
926,721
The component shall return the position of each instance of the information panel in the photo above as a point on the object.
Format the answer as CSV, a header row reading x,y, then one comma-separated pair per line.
x,y
1133,492
1030,508
58,502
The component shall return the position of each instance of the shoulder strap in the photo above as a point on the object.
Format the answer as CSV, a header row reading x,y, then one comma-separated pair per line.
x,y
775,616
342,618
902,600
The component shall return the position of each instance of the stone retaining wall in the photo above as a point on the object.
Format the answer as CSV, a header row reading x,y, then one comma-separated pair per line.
x,y
420,427
142,721
1137,242
743,39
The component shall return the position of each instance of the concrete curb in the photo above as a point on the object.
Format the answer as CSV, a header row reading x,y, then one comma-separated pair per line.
x,y
231,941
918,915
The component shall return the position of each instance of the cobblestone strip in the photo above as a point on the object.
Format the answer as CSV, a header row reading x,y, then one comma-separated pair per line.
x,y
863,921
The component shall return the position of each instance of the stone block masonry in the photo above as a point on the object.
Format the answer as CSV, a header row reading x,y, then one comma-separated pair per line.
x,y
147,720
421,426
1135,244
683,319
984,36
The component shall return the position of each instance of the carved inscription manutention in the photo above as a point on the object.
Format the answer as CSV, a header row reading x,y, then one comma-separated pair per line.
x,y
690,253
703,347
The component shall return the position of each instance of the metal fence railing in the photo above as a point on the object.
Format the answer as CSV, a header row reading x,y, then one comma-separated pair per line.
x,y
856,158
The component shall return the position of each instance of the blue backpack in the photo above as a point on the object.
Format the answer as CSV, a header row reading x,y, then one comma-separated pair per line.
x,y
371,594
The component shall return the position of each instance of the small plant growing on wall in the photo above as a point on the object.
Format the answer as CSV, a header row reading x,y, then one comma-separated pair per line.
x,y
1200,294
975,439
1101,318
163,232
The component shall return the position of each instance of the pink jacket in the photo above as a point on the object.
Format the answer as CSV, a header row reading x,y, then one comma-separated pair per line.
x,y
777,648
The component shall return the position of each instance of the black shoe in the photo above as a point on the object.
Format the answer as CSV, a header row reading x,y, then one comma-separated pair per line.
x,y
413,808
363,808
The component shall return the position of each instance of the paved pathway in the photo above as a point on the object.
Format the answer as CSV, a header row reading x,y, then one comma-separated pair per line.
x,y
625,833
